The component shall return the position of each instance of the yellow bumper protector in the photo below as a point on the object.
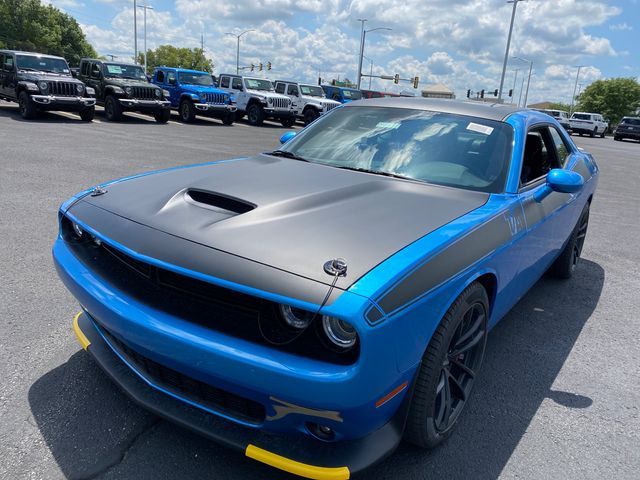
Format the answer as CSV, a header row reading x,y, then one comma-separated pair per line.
x,y
82,338
297,468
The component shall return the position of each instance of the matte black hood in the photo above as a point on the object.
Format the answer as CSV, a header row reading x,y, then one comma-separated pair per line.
x,y
46,76
289,214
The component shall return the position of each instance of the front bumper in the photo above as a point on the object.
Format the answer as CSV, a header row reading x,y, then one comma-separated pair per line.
x,y
299,455
215,108
53,101
635,135
275,113
137,104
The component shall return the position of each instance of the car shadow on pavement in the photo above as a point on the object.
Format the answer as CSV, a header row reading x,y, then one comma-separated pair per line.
x,y
93,430
11,111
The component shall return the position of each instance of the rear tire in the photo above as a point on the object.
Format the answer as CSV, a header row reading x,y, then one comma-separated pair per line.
x,y
448,369
187,111
26,106
602,134
87,114
566,263
112,109
593,132
255,115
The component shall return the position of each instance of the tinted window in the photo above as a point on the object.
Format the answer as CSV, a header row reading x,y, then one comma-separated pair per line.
x,y
224,82
202,79
236,83
631,121
312,90
7,65
42,63
292,90
562,151
582,116
280,88
95,70
160,76
539,155
432,147
84,69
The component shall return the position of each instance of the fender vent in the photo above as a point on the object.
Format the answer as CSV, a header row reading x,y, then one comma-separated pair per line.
x,y
216,200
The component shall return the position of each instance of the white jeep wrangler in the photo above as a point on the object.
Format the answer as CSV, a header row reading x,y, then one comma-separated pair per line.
x,y
309,100
588,123
256,98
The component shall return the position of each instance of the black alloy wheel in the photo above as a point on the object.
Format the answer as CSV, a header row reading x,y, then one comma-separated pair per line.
x,y
255,115
25,106
310,115
112,109
593,132
449,369
187,111
87,114
567,261
288,122
228,118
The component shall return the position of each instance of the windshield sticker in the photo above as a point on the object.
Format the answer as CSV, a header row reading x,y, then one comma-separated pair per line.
x,y
117,69
476,127
388,125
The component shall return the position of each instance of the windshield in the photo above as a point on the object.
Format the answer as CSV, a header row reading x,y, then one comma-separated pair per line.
x,y
582,116
312,90
631,121
120,70
42,64
258,84
203,79
352,94
441,148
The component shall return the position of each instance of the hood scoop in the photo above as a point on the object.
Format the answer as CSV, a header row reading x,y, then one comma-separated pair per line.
x,y
217,201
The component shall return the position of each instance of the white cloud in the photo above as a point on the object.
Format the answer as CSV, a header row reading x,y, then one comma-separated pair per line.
x,y
620,26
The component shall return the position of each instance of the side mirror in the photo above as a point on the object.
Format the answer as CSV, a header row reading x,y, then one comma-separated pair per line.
x,y
287,136
562,181
172,81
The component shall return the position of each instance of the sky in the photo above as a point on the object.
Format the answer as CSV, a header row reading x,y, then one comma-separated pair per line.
x,y
460,43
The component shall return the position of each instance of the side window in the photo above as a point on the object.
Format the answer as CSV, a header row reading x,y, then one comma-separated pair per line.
x,y
8,63
562,152
280,87
84,69
171,78
160,76
236,83
224,82
95,70
539,155
292,90
1,60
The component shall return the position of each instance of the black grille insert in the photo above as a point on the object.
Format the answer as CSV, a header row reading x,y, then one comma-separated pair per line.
x,y
182,385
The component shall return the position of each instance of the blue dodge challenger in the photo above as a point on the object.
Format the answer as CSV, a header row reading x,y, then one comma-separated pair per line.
x,y
314,305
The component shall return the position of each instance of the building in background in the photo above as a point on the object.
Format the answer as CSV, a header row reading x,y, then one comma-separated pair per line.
x,y
439,90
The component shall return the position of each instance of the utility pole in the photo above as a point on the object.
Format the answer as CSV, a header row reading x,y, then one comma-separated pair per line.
x,y
135,32
515,79
530,62
145,8
573,97
506,53
359,74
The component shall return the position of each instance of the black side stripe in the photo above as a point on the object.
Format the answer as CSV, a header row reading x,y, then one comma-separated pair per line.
x,y
445,264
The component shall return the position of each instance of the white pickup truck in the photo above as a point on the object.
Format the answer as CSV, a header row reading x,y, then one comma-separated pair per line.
x,y
588,123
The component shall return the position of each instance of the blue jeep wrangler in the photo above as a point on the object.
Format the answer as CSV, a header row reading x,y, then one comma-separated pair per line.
x,y
193,93
341,94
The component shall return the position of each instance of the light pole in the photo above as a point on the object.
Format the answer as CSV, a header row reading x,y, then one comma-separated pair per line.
x,y
506,53
145,8
135,32
573,97
370,69
515,79
530,62
359,72
364,36
238,47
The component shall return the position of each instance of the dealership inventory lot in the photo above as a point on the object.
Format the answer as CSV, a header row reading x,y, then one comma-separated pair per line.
x,y
557,398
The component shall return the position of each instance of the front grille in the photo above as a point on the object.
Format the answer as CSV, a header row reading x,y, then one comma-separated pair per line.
x,y
203,303
63,89
329,106
182,385
216,98
144,93
280,102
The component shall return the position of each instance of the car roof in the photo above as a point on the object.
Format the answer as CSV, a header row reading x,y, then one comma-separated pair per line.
x,y
87,59
490,111
177,69
33,54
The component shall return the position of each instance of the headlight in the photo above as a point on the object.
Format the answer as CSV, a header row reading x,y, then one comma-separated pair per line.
x,y
91,91
43,85
158,93
203,97
79,88
339,332
270,100
128,90
166,93
295,317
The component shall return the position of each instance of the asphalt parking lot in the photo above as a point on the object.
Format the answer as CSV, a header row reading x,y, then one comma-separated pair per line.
x,y
558,397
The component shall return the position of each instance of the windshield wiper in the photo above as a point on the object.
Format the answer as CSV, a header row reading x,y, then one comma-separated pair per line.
x,y
30,69
376,172
285,154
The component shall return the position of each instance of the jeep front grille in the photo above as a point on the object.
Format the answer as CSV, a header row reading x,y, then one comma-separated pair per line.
x,y
281,103
218,98
144,93
329,106
62,89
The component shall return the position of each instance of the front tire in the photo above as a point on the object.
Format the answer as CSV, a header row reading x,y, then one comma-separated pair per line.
x,y
593,132
187,111
87,114
112,109
288,122
162,115
310,115
566,263
448,370
26,106
255,115
602,134
229,118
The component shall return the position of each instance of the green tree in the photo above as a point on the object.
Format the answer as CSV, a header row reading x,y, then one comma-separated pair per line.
x,y
170,56
29,25
613,98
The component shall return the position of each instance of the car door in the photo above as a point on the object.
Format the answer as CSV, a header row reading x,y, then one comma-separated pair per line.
x,y
94,78
2,74
170,79
238,90
549,221
8,83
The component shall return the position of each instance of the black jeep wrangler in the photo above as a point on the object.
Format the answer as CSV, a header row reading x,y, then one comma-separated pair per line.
x,y
124,87
43,82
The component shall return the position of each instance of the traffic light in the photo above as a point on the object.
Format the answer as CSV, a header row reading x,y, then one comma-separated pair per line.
x,y
415,82
268,65
481,93
495,92
260,66
252,67
333,82
468,93
511,92
396,78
